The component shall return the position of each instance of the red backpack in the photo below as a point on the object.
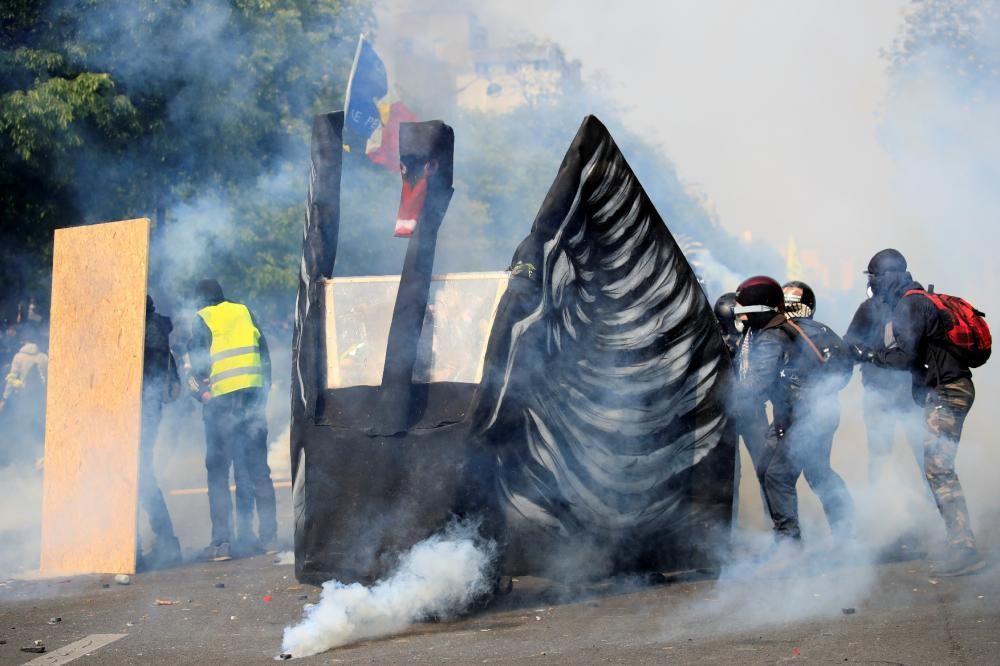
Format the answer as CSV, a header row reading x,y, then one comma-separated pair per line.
x,y
968,334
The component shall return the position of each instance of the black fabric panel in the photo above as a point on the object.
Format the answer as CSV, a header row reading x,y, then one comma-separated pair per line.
x,y
398,408
604,384
440,403
368,499
319,251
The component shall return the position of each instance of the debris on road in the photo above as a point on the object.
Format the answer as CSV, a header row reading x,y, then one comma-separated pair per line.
x,y
55,620
267,598
284,656
123,579
220,585
796,652
848,611
34,649
165,602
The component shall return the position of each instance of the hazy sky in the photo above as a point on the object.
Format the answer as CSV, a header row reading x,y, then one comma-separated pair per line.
x,y
771,108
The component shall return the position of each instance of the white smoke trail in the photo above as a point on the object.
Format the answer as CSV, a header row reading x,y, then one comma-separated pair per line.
x,y
440,576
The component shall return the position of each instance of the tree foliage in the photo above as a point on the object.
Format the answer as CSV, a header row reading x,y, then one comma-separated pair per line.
x,y
119,108
197,113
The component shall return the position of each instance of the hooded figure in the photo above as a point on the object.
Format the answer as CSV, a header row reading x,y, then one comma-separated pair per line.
x,y
886,401
941,384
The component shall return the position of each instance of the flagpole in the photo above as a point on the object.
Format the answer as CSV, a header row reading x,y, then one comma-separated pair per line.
x,y
350,78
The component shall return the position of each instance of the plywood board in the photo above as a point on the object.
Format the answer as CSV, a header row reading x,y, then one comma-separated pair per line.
x,y
461,309
94,398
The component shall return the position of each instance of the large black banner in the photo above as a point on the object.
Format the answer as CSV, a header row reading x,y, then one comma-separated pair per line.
x,y
595,440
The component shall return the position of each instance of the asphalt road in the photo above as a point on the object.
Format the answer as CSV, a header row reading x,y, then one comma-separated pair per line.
x,y
901,615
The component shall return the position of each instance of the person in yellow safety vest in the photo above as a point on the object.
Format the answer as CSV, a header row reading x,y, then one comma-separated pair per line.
x,y
232,368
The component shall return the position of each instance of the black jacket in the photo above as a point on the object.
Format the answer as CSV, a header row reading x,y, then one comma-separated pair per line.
x,y
921,346
759,368
157,362
782,368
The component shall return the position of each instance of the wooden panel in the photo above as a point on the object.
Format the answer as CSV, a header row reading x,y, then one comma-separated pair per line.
x,y
94,398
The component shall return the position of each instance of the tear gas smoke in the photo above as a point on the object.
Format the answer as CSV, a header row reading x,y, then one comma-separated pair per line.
x,y
439,577
19,518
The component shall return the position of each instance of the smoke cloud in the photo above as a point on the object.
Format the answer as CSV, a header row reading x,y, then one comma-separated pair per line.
x,y
439,577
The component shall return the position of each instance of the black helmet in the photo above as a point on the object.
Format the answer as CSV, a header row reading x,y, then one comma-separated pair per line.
x,y
800,300
760,290
724,306
760,298
887,261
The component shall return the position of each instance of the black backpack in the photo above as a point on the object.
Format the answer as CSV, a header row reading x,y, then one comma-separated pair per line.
x,y
824,357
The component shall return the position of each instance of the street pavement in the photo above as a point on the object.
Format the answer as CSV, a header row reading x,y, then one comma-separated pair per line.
x,y
815,610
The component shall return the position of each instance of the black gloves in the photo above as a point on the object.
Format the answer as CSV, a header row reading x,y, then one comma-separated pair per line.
x,y
863,354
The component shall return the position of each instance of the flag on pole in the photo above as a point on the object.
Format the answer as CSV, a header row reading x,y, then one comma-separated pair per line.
x,y
369,112
366,87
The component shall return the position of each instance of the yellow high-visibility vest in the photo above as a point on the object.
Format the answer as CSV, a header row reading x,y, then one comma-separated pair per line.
x,y
235,351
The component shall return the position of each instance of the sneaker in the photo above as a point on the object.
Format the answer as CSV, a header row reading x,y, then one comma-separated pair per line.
x,y
270,546
216,553
960,562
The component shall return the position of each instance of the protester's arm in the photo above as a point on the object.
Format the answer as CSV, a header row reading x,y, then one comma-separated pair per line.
x,y
198,351
265,362
859,331
265,353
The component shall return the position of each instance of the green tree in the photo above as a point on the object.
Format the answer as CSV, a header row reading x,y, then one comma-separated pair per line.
x,y
119,108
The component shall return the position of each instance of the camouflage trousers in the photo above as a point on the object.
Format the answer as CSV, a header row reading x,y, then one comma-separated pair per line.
x,y
945,408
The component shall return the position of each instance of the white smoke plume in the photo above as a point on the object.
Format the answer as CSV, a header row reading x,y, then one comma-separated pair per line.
x,y
440,577
791,587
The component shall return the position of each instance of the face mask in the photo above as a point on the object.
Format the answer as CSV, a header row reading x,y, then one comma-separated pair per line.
x,y
738,324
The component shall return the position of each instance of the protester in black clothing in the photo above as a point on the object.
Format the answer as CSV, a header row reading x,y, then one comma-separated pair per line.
x,y
750,417
159,384
942,383
816,413
761,359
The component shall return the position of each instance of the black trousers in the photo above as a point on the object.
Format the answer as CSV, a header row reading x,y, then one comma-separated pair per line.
x,y
804,448
150,496
236,436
